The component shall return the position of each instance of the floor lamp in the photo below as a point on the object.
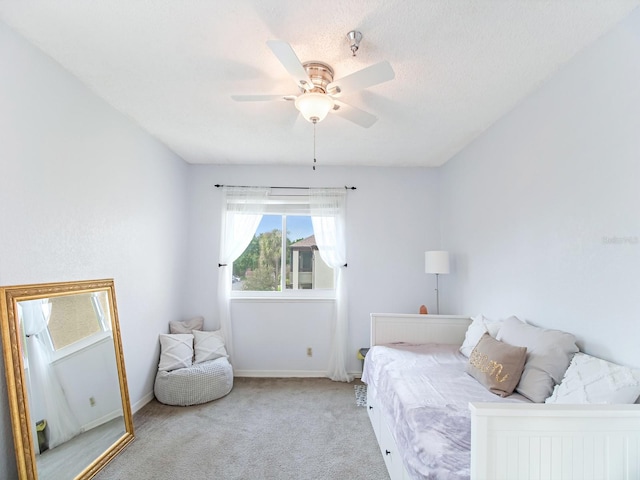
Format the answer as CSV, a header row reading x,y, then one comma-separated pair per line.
x,y
436,261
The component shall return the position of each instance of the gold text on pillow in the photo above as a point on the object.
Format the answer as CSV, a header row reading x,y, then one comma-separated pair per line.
x,y
482,363
496,365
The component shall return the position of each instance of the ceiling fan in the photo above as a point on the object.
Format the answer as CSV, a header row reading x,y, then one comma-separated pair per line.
x,y
319,92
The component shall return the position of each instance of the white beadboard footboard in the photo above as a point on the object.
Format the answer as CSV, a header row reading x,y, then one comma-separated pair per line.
x,y
539,441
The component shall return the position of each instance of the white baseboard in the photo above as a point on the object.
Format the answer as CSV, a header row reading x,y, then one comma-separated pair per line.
x,y
280,373
142,402
99,421
285,373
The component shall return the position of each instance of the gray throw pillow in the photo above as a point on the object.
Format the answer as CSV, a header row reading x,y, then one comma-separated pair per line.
x,y
186,326
549,353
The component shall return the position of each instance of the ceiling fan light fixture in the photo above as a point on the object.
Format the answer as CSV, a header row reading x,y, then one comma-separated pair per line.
x,y
314,106
319,92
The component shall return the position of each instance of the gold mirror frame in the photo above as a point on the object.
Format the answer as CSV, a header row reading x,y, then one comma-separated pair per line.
x,y
13,350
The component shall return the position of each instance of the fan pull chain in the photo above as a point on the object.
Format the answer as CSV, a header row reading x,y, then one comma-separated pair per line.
x,y
314,145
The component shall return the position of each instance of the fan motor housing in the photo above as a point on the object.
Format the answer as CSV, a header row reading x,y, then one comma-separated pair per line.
x,y
320,74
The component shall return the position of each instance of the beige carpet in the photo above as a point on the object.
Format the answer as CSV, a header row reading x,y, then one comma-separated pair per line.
x,y
264,429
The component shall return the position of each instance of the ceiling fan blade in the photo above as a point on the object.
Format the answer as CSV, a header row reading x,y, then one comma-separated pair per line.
x,y
260,98
353,114
367,77
291,63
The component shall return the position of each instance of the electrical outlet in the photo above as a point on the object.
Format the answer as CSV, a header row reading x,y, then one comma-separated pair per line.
x,y
309,352
92,401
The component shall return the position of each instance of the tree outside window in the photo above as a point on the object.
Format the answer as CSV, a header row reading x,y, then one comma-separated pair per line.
x,y
261,268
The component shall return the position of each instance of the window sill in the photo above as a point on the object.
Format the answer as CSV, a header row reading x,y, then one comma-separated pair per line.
x,y
80,346
281,299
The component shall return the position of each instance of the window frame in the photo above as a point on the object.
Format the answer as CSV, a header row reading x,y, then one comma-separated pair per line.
x,y
295,203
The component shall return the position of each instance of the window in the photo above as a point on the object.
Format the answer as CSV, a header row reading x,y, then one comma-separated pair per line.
x,y
89,312
261,268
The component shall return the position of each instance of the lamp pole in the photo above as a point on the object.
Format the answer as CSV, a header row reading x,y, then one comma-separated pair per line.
x,y
436,262
437,295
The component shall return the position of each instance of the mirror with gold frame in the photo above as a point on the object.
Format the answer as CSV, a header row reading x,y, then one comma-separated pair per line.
x,y
66,380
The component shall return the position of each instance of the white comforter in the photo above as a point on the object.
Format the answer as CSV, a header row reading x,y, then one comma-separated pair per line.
x,y
423,393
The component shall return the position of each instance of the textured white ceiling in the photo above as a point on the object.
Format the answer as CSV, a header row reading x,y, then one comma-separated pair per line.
x,y
172,66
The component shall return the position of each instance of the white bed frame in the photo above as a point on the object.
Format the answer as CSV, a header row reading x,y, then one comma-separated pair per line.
x,y
512,441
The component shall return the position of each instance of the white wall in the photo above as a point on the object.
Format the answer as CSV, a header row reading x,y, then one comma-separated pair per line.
x,y
529,207
90,373
392,218
86,194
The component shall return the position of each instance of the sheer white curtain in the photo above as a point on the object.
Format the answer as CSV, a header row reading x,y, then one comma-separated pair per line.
x,y
241,215
328,210
45,387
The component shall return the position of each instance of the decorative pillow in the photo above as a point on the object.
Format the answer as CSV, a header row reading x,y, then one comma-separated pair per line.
x,y
186,326
496,365
548,355
176,351
209,345
479,326
593,380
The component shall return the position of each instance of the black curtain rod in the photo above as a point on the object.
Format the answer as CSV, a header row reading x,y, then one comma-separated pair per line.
x,y
217,185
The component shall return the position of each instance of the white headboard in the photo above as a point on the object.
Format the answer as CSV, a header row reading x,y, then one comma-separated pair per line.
x,y
416,328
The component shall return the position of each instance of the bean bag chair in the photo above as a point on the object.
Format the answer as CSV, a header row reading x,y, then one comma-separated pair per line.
x,y
194,368
199,383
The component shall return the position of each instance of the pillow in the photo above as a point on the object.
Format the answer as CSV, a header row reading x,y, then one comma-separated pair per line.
x,y
479,326
496,365
548,355
176,351
593,380
209,345
187,326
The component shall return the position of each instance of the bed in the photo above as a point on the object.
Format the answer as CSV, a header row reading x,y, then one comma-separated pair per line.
x,y
440,435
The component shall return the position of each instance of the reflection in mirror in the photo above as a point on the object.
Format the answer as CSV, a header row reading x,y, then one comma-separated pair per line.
x,y
65,374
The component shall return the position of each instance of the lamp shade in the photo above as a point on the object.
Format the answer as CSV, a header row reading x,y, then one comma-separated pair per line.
x,y
436,261
314,106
